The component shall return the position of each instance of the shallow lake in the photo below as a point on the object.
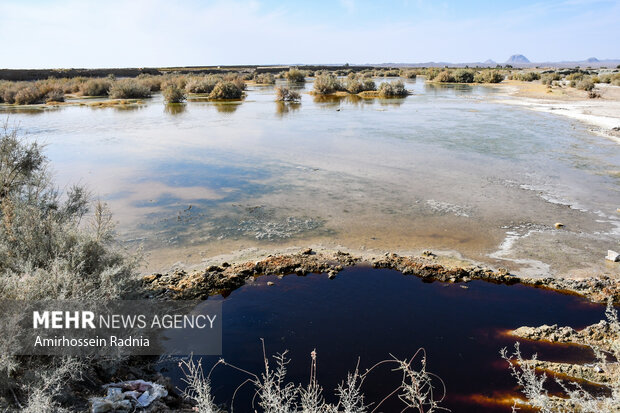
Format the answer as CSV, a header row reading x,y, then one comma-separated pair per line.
x,y
370,314
446,168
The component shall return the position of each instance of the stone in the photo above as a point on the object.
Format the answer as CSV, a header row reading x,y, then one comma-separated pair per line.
x,y
270,283
612,256
558,225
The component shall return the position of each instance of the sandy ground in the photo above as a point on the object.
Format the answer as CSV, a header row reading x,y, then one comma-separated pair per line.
x,y
602,114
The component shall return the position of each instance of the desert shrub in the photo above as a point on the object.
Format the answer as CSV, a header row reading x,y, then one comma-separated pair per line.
x,y
444,76
356,85
526,76
235,78
463,75
295,75
605,79
95,87
549,78
154,83
73,85
29,95
585,84
326,83
55,95
226,90
202,84
392,89
198,386
8,90
179,81
574,76
265,79
409,74
488,76
284,94
419,390
593,94
129,89
431,73
50,248
173,94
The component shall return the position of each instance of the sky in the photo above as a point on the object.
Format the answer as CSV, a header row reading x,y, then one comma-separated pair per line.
x,y
164,33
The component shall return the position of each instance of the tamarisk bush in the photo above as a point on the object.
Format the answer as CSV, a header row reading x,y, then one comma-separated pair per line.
x,y
47,253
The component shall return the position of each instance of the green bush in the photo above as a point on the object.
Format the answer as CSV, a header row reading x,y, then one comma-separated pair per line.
x,y
226,90
444,77
295,75
488,76
173,94
95,87
129,89
431,73
284,94
392,89
464,76
326,83
356,85
526,76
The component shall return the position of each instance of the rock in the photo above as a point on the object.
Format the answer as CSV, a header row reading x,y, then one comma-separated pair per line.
x,y
612,256
307,251
270,283
558,225
331,274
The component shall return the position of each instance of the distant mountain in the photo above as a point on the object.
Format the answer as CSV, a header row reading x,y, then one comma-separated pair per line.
x,y
517,58
489,62
592,60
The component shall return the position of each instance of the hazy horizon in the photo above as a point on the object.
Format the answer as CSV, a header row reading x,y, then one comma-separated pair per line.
x,y
84,34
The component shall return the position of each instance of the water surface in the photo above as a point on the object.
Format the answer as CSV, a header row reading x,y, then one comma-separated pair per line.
x,y
371,314
445,168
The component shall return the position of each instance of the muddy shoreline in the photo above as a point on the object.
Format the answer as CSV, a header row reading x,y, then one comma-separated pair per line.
x,y
225,277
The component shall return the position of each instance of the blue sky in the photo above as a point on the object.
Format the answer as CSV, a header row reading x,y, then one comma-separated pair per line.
x,y
139,33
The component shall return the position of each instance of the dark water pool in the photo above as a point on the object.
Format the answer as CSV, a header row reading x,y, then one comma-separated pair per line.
x,y
370,314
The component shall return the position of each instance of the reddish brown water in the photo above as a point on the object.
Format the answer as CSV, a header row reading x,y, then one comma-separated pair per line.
x,y
371,314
